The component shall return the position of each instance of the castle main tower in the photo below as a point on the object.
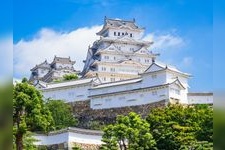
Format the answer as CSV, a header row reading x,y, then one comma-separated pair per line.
x,y
120,53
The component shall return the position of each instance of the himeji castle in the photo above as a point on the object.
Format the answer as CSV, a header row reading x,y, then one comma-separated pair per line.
x,y
120,75
120,53
119,71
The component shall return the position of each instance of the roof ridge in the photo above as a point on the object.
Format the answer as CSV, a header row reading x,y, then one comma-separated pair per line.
x,y
122,20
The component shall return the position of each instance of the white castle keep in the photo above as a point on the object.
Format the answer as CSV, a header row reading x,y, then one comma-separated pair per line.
x,y
120,71
120,53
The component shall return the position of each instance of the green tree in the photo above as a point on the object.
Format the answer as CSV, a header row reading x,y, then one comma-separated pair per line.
x,y
67,77
129,133
181,127
61,113
29,112
76,147
28,142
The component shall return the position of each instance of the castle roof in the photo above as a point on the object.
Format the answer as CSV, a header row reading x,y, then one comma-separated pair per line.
x,y
125,39
43,65
129,81
158,66
69,83
118,23
117,83
62,60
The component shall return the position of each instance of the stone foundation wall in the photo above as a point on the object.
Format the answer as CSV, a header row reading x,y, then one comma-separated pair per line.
x,y
88,117
87,146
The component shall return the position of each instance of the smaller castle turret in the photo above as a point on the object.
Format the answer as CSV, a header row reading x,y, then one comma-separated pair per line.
x,y
48,72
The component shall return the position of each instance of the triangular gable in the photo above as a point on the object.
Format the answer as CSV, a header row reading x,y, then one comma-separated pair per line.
x,y
125,27
130,62
111,48
126,38
178,83
154,67
96,80
142,50
40,84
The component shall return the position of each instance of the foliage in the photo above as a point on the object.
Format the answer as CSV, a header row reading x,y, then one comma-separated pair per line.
x,y
129,132
179,127
219,124
6,115
28,142
29,112
96,125
61,113
173,127
67,77
76,147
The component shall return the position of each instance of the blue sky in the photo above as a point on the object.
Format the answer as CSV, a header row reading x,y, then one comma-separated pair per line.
x,y
189,21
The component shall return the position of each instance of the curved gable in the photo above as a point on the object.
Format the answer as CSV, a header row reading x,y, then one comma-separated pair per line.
x,y
130,62
154,67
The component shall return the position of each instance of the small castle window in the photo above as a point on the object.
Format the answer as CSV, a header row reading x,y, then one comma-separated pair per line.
x,y
121,98
106,57
114,33
131,35
118,33
112,79
103,69
114,58
112,69
154,92
107,100
154,76
122,33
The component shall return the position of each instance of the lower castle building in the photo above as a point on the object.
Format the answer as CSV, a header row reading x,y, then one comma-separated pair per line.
x,y
48,72
159,82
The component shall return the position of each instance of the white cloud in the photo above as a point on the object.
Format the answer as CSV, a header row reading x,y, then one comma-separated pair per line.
x,y
6,52
164,41
47,43
187,61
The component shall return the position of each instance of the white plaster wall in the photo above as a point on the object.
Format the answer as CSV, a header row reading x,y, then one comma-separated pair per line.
x,y
85,138
182,96
111,89
42,72
51,139
149,79
59,65
200,99
136,35
69,94
68,138
129,99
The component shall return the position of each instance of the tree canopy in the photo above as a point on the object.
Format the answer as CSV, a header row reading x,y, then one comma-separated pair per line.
x,y
182,127
172,127
29,112
129,132
67,77
61,113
